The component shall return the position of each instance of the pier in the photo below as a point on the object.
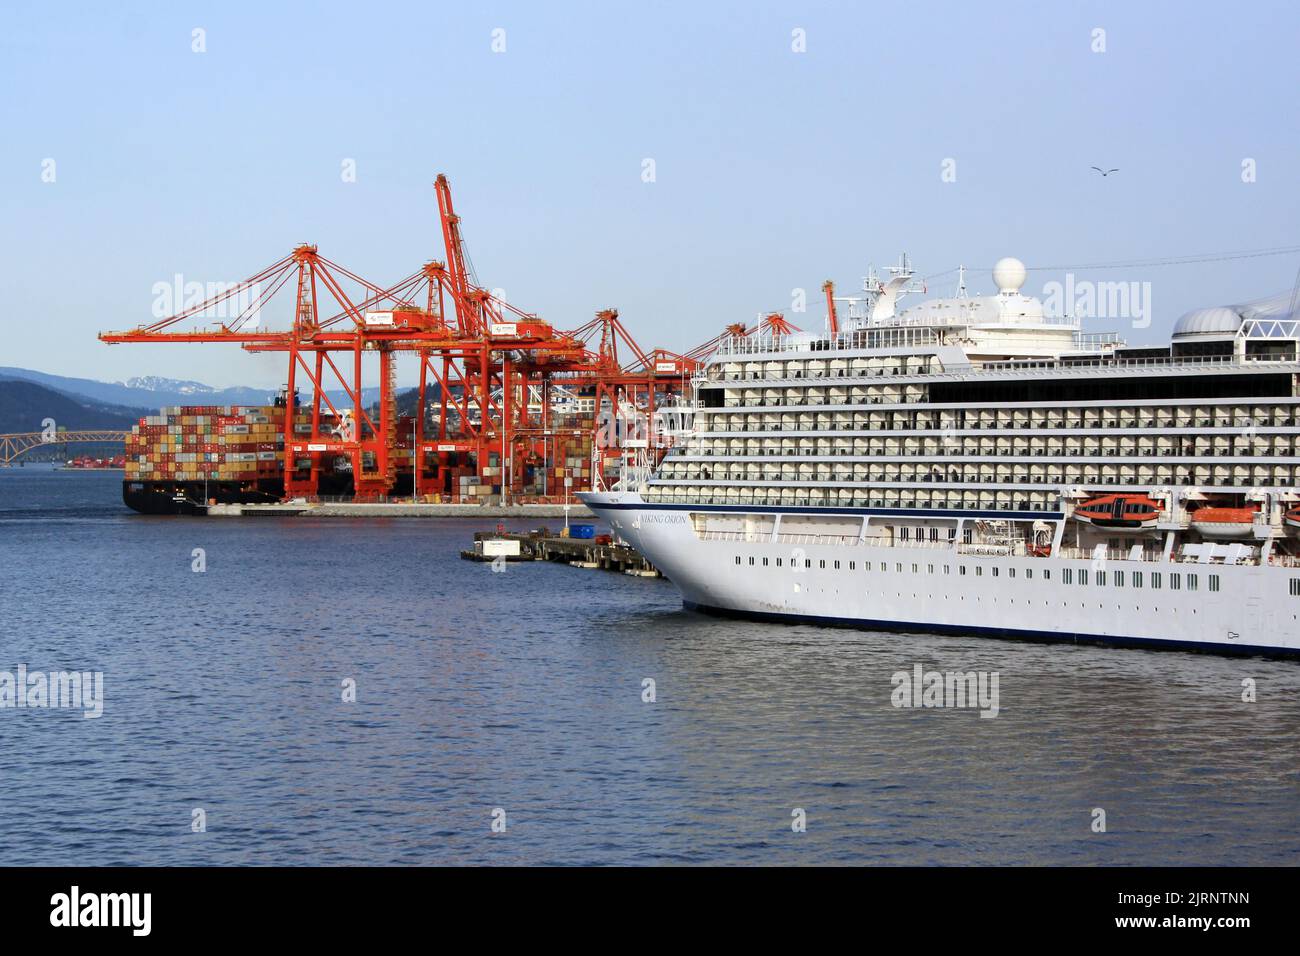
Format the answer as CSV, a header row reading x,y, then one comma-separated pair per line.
x,y
600,552
394,509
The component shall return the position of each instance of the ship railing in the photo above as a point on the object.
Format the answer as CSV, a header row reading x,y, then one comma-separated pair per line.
x,y
840,540
904,336
835,539
944,544
1109,554
1053,366
1096,339
1148,555
992,549
734,535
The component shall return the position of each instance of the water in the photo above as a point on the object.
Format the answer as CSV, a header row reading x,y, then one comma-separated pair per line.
x,y
522,691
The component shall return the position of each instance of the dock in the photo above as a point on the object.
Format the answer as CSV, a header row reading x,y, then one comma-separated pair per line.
x,y
395,509
597,553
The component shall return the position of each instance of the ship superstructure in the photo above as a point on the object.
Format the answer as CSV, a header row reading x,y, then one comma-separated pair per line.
x,y
973,464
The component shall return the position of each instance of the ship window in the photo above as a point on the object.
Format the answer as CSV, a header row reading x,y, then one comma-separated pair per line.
x,y
751,562
1047,575
1137,579
929,569
899,567
1011,572
1119,579
1155,579
1295,587
1067,575
1175,582
1214,582
934,534
1083,575
905,533
1029,573
765,562
807,563
995,572
947,569
821,564
979,571
837,565
952,533
966,536
1191,582
778,562
866,565
853,565
961,568
737,559
1101,578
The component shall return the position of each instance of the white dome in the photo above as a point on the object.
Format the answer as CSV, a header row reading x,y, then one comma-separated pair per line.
x,y
1009,274
1218,320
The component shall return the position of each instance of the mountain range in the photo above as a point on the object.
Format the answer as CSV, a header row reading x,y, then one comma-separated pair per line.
x,y
153,392
28,397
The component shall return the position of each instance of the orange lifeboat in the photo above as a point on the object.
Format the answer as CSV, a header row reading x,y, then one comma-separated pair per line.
x,y
1215,522
1120,512
1292,519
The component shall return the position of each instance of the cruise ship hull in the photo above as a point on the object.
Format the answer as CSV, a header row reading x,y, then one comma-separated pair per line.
x,y
934,587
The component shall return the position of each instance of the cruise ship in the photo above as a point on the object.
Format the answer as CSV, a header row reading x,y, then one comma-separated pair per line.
x,y
974,465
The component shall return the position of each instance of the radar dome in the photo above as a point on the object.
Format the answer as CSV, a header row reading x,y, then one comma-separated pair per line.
x,y
1009,274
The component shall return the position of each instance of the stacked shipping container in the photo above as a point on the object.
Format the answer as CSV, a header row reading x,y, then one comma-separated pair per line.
x,y
188,456
209,442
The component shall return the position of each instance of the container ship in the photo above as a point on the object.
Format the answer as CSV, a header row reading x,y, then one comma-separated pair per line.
x,y
972,465
186,458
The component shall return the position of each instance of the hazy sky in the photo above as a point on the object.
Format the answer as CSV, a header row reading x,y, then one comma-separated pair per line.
x,y
774,169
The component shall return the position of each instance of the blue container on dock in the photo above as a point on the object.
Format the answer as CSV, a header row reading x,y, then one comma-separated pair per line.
x,y
582,531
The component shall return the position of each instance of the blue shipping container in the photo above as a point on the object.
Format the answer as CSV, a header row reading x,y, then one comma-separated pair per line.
x,y
582,531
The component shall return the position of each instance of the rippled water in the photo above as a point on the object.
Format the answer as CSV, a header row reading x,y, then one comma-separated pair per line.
x,y
522,691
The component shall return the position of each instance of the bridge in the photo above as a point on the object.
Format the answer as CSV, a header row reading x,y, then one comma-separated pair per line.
x,y
16,443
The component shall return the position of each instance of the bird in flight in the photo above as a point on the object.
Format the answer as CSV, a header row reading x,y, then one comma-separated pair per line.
x,y
1105,172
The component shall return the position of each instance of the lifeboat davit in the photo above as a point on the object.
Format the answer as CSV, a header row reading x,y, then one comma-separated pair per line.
x,y
1224,522
1120,512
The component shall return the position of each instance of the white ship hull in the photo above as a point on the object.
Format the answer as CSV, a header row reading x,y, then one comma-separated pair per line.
x,y
934,586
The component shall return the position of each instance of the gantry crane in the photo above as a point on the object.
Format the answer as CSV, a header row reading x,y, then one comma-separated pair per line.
x,y
490,365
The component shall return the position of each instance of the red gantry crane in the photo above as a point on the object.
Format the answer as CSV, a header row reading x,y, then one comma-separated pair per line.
x,y
494,366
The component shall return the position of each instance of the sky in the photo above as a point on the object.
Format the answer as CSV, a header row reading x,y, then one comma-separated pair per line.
x,y
791,143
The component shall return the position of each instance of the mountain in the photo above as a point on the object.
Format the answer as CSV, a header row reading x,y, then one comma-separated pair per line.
x,y
153,392
25,405
150,392
155,383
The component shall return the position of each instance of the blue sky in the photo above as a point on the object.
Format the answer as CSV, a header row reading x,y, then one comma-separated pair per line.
x,y
774,169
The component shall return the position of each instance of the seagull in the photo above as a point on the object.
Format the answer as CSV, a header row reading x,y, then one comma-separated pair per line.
x,y
1105,172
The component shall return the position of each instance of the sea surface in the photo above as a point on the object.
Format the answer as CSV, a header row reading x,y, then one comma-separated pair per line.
x,y
517,697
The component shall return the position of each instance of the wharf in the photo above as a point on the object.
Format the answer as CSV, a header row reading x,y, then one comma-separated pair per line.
x,y
395,509
580,552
